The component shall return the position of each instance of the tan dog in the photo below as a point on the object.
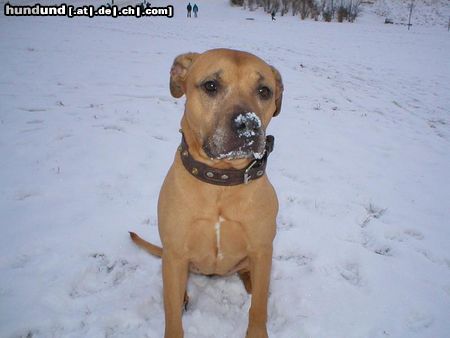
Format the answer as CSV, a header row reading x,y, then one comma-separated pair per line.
x,y
216,213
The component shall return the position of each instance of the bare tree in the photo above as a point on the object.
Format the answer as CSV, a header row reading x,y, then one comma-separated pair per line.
x,y
285,6
305,8
346,9
266,5
275,6
353,9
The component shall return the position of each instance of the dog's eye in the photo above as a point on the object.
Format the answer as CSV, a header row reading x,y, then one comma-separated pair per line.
x,y
264,93
210,87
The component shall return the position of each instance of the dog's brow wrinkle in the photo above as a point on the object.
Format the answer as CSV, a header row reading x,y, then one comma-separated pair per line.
x,y
261,77
214,76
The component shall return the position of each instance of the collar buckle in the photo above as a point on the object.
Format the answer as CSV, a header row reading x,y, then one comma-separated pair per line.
x,y
247,177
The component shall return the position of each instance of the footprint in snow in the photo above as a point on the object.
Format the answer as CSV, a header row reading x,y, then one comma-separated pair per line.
x,y
101,273
284,224
33,110
383,251
418,321
433,259
20,262
414,234
298,259
35,122
405,236
20,196
30,130
290,176
351,273
129,120
160,138
63,136
372,212
370,243
109,127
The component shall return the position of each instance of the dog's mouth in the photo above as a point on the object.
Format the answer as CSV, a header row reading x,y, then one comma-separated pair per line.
x,y
245,152
253,149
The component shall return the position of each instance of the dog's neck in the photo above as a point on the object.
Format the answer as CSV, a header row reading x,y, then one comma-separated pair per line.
x,y
220,172
197,152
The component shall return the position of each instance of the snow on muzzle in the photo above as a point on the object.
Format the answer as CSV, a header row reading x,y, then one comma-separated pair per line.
x,y
247,124
242,138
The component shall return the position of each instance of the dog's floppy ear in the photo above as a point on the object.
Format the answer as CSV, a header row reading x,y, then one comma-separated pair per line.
x,y
178,73
278,90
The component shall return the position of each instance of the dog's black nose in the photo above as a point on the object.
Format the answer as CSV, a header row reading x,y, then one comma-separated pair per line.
x,y
246,124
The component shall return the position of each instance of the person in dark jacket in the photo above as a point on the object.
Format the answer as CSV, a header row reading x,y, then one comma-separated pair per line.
x,y
195,9
273,15
189,9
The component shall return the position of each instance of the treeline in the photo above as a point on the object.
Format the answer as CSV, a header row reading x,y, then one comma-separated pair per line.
x,y
326,10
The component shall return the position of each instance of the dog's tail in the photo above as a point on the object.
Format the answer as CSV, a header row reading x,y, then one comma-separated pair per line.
x,y
143,244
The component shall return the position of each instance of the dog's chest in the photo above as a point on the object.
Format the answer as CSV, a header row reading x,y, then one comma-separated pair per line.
x,y
217,246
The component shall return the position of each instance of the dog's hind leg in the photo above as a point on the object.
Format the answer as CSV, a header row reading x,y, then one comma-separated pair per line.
x,y
186,301
244,275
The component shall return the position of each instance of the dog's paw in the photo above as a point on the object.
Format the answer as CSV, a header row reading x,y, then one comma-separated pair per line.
x,y
257,331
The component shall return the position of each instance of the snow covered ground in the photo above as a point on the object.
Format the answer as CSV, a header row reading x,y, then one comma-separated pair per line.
x,y
361,165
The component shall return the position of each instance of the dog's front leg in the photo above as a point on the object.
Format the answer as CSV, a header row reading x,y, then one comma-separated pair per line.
x,y
175,273
260,266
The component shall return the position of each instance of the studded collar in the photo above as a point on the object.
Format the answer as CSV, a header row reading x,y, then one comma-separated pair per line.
x,y
225,177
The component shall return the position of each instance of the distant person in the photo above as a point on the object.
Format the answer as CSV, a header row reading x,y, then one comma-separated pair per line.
x,y
148,5
195,9
273,15
189,9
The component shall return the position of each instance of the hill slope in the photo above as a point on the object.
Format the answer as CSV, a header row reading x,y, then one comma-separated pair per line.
x,y
425,12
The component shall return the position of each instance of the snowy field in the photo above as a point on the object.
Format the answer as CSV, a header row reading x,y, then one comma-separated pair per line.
x,y
361,165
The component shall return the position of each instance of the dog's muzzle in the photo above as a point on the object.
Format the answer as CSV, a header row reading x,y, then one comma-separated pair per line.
x,y
242,137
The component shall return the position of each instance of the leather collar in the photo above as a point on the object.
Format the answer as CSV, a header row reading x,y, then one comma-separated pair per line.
x,y
225,177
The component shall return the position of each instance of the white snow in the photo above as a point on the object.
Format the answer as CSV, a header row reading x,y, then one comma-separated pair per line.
x,y
260,155
241,153
361,165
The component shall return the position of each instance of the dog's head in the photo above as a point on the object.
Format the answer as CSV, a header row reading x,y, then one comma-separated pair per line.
x,y
231,96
